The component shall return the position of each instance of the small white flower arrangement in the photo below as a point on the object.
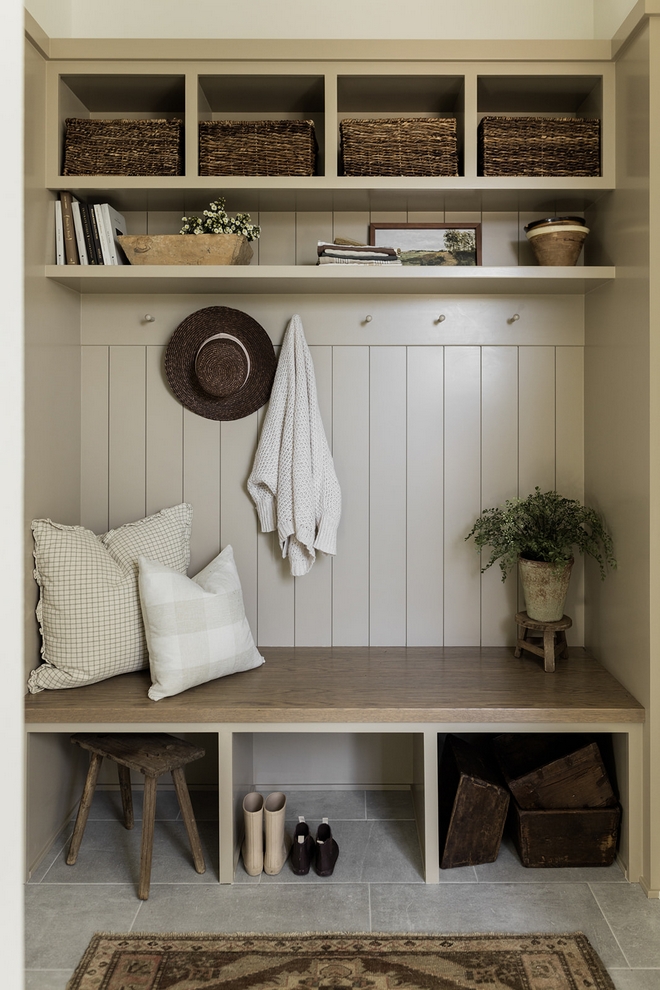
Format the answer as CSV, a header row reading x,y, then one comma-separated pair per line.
x,y
216,220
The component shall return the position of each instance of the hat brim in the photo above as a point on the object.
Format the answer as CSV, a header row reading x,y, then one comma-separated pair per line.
x,y
185,344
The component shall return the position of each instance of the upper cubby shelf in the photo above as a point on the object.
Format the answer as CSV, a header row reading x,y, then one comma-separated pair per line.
x,y
328,93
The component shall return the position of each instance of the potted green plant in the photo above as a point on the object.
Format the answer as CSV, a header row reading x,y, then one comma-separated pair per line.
x,y
541,532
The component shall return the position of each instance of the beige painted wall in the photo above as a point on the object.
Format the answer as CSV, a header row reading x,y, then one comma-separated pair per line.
x,y
620,461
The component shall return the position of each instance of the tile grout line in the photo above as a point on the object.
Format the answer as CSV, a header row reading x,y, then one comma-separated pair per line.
x,y
607,922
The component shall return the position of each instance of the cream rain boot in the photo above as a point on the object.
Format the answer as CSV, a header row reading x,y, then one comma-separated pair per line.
x,y
253,844
277,842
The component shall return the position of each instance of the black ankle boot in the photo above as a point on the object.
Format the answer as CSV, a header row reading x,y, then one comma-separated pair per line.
x,y
327,850
302,849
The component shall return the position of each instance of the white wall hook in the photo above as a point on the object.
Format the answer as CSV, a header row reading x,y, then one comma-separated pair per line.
x,y
512,319
367,319
441,318
148,318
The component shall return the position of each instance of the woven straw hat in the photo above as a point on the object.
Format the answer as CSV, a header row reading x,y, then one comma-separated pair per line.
x,y
220,363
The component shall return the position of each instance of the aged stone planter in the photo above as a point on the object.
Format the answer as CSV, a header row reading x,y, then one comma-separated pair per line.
x,y
557,240
545,587
186,249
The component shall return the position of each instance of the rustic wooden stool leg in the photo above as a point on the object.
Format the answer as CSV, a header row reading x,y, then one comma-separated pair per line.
x,y
562,645
83,808
126,795
179,778
148,819
549,650
519,640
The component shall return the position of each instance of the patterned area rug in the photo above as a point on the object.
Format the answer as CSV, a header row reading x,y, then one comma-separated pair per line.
x,y
340,962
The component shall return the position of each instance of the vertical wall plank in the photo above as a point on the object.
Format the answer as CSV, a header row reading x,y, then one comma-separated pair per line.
x,y
127,499
425,444
570,464
350,619
201,486
310,229
313,591
536,413
164,437
388,496
499,481
94,439
277,243
462,494
238,519
499,239
352,224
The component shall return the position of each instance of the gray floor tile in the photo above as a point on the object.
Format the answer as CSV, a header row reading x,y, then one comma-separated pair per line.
x,y
205,805
106,806
508,868
61,919
459,874
47,979
635,920
494,908
260,908
111,854
390,804
315,805
373,851
60,846
636,979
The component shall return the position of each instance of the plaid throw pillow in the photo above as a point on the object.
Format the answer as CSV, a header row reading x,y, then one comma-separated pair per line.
x,y
89,606
196,627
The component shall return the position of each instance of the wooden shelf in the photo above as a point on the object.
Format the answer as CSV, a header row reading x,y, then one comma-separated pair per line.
x,y
278,279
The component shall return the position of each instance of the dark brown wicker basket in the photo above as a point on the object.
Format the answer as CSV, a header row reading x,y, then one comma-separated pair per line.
x,y
257,147
399,146
549,146
123,147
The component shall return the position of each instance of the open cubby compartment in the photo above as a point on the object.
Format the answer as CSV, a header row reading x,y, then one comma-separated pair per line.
x,y
131,95
403,95
286,96
585,94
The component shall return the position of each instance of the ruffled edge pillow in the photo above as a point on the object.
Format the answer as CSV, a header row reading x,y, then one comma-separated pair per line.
x,y
89,607
196,628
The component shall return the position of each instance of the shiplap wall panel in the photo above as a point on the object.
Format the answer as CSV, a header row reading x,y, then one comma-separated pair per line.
x,y
201,486
536,419
425,461
94,438
387,527
350,432
277,243
164,438
238,521
313,591
570,464
462,594
310,229
127,497
499,481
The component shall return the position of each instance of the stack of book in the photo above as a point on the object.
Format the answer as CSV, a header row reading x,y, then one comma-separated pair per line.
x,y
86,234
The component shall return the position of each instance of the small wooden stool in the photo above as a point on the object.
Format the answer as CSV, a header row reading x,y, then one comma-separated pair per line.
x,y
150,754
548,631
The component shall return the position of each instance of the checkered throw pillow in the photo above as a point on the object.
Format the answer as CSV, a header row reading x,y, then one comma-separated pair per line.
x,y
196,627
89,606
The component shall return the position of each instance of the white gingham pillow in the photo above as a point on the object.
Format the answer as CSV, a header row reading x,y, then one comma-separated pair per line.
x,y
89,605
196,627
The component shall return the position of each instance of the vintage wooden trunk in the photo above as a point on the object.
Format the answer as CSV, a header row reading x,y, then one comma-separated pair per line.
x,y
568,837
546,771
473,804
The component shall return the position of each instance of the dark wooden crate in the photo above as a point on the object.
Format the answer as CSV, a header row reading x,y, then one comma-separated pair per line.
x,y
473,804
399,146
257,147
545,771
541,146
568,837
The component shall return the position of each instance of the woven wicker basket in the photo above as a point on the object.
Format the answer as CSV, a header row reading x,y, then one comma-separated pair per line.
x,y
550,146
123,147
399,146
257,147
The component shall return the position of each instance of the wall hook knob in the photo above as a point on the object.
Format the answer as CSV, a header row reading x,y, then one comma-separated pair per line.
x,y
367,319
148,318
512,319
441,318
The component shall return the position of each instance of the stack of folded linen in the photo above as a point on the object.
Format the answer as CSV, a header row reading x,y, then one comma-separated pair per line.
x,y
356,254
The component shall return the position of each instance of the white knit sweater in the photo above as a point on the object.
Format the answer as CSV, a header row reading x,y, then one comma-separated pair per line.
x,y
293,482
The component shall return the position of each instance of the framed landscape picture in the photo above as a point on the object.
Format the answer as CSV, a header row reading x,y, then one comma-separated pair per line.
x,y
430,243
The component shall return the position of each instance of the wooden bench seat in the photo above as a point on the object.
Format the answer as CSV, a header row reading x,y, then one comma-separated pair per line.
x,y
421,691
